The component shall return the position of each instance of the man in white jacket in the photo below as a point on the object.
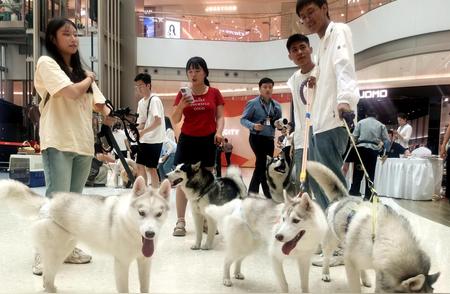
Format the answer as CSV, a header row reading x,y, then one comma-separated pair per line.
x,y
336,93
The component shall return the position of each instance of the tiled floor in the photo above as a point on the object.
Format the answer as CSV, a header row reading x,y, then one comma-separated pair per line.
x,y
177,269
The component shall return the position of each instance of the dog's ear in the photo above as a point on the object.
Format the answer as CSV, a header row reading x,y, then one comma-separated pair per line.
x,y
414,283
433,278
164,189
306,201
287,199
196,167
268,159
139,186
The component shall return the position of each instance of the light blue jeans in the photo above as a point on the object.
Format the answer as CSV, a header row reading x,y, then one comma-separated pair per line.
x,y
65,171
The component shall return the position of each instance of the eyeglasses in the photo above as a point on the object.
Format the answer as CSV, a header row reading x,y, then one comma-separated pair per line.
x,y
309,13
139,86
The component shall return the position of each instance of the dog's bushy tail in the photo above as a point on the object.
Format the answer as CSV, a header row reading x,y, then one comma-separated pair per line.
x,y
327,180
218,213
234,173
21,199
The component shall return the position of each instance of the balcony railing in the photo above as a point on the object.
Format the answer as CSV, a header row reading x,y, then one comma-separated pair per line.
x,y
244,28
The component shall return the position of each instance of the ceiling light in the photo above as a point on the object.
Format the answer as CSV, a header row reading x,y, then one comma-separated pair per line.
x,y
362,11
220,8
342,14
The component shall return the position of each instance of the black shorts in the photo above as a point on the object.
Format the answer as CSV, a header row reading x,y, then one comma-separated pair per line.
x,y
194,149
124,153
148,154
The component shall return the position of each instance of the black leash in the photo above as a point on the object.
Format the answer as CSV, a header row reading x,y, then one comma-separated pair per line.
x,y
106,137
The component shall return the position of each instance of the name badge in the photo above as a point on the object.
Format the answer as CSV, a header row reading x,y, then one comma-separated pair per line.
x,y
267,121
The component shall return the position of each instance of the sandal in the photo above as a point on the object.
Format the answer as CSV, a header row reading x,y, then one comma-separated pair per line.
x,y
180,230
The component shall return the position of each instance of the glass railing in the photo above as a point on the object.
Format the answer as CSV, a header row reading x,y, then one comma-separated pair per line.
x,y
239,27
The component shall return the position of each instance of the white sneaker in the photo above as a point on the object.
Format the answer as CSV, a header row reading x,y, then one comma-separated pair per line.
x,y
78,257
37,265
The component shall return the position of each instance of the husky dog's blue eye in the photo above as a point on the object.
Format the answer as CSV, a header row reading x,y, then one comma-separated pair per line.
x,y
158,214
295,221
142,213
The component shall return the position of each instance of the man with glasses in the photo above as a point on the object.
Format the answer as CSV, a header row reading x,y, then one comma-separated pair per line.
x,y
336,93
152,129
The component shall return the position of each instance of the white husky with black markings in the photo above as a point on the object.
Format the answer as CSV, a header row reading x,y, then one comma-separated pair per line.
x,y
202,189
292,229
125,226
382,241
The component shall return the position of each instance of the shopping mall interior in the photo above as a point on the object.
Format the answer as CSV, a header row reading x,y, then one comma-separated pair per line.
x,y
402,64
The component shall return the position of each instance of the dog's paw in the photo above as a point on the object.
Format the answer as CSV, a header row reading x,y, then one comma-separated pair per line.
x,y
239,276
326,278
227,282
206,247
367,283
195,247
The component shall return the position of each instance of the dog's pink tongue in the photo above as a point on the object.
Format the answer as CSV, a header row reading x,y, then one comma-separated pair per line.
x,y
147,247
288,246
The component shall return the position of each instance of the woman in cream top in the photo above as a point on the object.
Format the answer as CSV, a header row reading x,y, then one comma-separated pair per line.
x,y
69,96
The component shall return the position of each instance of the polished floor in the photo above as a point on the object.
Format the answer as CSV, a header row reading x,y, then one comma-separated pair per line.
x,y
177,269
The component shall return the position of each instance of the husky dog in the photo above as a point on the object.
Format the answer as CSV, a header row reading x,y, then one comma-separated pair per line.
x,y
279,177
201,189
126,226
253,222
391,249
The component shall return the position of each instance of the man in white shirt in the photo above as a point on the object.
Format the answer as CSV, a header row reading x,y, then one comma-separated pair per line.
x,y
404,131
336,92
300,53
151,129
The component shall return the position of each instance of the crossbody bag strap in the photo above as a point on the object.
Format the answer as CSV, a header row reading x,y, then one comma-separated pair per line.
x,y
148,106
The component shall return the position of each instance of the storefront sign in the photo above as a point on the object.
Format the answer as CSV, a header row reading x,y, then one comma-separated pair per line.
x,y
231,132
369,94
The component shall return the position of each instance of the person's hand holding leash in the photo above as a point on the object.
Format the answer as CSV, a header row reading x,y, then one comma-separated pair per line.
x,y
346,114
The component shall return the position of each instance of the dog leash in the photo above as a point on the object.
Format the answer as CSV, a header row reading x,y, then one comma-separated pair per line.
x,y
374,194
306,101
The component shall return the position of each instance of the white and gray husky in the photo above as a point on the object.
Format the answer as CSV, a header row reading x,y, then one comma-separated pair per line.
x,y
292,229
201,189
391,249
126,226
280,176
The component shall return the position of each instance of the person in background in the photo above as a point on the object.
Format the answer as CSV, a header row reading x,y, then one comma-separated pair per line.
x,y
393,149
121,139
259,116
167,159
336,89
201,130
69,96
152,129
98,175
227,149
404,131
444,150
300,51
219,151
287,143
369,135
